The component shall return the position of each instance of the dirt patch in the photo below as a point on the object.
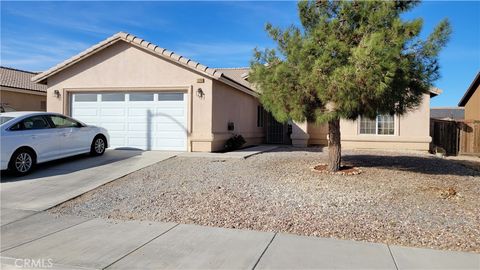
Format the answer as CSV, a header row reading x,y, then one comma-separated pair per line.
x,y
344,170
444,193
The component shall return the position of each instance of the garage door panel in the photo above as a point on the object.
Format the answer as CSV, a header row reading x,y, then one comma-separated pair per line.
x,y
168,137
117,141
170,143
139,134
170,105
141,128
171,112
141,143
133,119
169,127
113,118
169,120
91,120
139,111
168,134
158,125
87,119
86,111
114,126
143,105
173,97
112,111
85,97
118,135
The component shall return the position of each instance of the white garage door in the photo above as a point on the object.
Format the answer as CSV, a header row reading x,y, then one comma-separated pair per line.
x,y
148,121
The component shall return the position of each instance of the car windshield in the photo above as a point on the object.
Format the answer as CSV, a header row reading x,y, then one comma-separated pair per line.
x,y
4,119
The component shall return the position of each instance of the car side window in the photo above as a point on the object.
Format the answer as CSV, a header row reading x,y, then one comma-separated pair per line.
x,y
64,122
34,122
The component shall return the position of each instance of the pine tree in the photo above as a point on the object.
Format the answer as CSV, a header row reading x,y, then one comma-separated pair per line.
x,y
348,59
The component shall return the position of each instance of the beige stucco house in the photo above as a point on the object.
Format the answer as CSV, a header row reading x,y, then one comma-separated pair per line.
x,y
19,93
406,132
471,100
151,98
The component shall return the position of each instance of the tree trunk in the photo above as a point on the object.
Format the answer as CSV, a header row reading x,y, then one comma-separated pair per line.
x,y
334,147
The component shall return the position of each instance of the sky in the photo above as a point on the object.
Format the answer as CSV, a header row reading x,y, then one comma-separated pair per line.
x,y
38,35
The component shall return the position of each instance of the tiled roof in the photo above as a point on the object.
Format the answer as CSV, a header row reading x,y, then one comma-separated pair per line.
x,y
240,75
159,51
20,79
237,74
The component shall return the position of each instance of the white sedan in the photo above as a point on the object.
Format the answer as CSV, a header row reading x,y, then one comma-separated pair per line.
x,y
29,138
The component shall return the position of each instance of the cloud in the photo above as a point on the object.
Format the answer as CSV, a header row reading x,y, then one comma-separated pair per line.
x,y
218,53
39,35
37,53
36,36
77,22
35,63
218,48
278,12
93,18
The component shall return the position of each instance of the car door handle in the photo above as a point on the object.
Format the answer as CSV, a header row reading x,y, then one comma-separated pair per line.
x,y
64,134
34,136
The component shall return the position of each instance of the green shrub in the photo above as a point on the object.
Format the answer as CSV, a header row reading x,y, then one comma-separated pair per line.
x,y
440,150
235,142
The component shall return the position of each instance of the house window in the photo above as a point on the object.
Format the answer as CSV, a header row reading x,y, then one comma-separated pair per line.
x,y
85,97
113,97
141,97
170,97
385,124
260,116
381,125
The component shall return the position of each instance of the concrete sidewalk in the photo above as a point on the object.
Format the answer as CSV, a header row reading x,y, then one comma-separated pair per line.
x,y
80,243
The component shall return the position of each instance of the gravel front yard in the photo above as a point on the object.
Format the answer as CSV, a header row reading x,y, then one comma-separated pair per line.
x,y
405,199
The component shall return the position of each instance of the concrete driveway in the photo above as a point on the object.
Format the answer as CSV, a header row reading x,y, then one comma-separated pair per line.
x,y
58,181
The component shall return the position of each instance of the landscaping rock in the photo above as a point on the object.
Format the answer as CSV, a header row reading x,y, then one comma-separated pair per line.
x,y
391,201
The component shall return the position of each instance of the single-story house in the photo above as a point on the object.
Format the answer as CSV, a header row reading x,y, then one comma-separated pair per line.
x,y
151,98
471,100
19,93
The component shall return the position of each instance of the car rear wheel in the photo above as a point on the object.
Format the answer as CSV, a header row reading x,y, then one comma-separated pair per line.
x,y
22,162
98,146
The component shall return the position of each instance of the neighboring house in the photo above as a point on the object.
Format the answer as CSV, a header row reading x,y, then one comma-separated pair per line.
x,y
19,93
447,113
471,100
151,98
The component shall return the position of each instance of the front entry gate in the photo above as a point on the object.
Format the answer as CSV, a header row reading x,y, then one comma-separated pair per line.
x,y
277,133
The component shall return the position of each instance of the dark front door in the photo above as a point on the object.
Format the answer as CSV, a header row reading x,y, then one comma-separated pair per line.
x,y
277,133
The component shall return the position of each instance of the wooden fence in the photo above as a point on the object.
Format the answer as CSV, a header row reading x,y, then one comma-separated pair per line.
x,y
445,134
469,138
456,137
